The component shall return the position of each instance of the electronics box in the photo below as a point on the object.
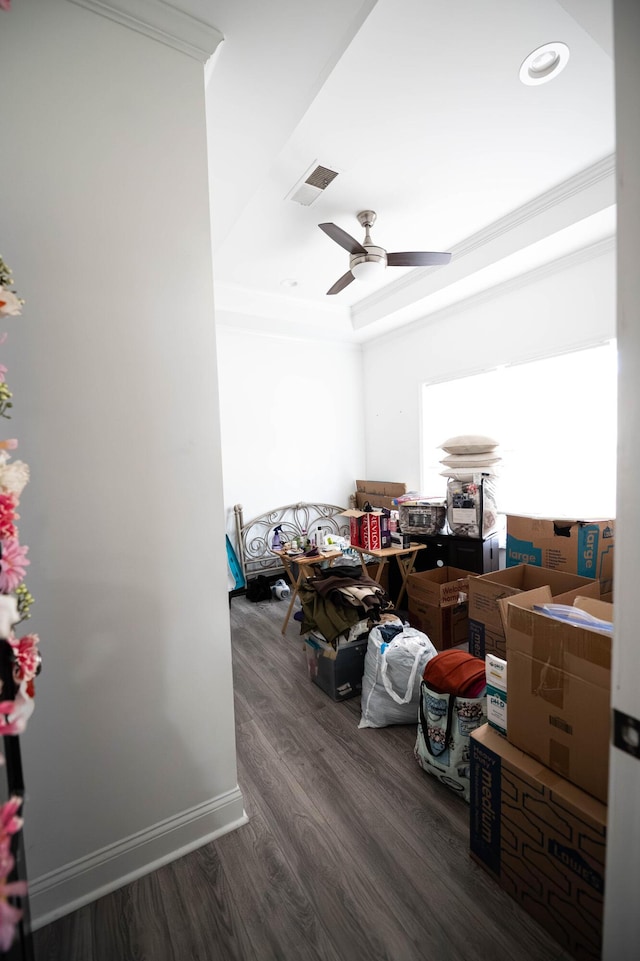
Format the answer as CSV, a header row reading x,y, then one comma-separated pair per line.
x,y
426,517
399,539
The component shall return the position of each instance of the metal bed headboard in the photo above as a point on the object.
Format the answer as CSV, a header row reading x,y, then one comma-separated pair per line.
x,y
254,537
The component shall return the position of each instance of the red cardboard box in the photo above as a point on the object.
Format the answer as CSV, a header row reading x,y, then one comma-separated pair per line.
x,y
371,532
368,529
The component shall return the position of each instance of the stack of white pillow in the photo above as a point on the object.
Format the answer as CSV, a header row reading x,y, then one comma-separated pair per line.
x,y
469,454
470,468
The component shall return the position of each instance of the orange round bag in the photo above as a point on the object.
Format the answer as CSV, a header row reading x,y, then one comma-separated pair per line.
x,y
455,672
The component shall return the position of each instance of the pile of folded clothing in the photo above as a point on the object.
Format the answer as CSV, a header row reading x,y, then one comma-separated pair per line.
x,y
340,599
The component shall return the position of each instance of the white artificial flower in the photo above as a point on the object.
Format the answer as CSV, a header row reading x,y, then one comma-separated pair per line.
x,y
14,477
10,305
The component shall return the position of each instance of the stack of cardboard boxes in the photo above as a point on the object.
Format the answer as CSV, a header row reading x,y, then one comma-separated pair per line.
x,y
486,627
538,795
438,605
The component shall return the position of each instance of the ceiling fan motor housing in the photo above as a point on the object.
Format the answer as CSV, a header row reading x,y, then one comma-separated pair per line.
x,y
374,255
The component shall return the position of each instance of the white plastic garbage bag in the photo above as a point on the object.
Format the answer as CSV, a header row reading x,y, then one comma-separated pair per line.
x,y
392,675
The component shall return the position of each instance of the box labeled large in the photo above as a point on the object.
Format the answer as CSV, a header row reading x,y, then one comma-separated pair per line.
x,y
559,688
486,629
338,671
578,547
542,839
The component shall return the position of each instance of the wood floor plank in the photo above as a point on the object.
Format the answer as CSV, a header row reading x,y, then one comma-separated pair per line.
x,y
423,845
352,852
208,923
135,918
345,891
70,937
281,919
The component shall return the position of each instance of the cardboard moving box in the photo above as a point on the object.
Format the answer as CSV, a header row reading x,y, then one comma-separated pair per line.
x,y
541,838
378,493
442,586
438,605
578,547
486,628
559,689
444,626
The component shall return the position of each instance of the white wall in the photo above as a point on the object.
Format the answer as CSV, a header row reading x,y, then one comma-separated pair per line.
x,y
292,418
558,309
622,919
130,755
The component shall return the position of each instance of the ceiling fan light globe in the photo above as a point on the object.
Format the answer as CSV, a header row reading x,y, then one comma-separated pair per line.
x,y
368,270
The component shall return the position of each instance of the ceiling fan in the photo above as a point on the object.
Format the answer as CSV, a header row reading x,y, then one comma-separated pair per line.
x,y
367,260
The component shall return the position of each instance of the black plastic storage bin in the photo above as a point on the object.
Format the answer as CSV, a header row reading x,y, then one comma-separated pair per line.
x,y
337,671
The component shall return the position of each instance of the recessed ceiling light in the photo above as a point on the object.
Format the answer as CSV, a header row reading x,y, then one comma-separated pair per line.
x,y
288,282
544,63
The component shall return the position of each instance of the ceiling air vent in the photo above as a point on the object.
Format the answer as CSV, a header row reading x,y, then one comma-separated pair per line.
x,y
308,190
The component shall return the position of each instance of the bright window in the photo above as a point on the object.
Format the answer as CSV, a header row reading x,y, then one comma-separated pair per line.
x,y
556,422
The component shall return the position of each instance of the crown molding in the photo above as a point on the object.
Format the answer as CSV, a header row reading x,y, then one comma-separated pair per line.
x,y
599,175
584,254
161,22
272,305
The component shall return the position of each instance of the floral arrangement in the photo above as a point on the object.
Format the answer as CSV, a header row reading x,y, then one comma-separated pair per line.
x,y
15,607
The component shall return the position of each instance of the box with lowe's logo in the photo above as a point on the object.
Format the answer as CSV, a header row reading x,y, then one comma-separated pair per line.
x,y
542,839
577,547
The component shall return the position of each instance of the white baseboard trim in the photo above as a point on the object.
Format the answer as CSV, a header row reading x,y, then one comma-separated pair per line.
x,y
70,887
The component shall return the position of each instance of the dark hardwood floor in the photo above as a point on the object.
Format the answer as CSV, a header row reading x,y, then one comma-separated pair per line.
x,y
351,853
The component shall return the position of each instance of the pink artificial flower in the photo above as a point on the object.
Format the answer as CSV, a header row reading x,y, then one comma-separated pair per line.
x,y
3,371
9,917
27,657
13,564
14,716
10,823
7,861
8,516
10,444
6,726
5,4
